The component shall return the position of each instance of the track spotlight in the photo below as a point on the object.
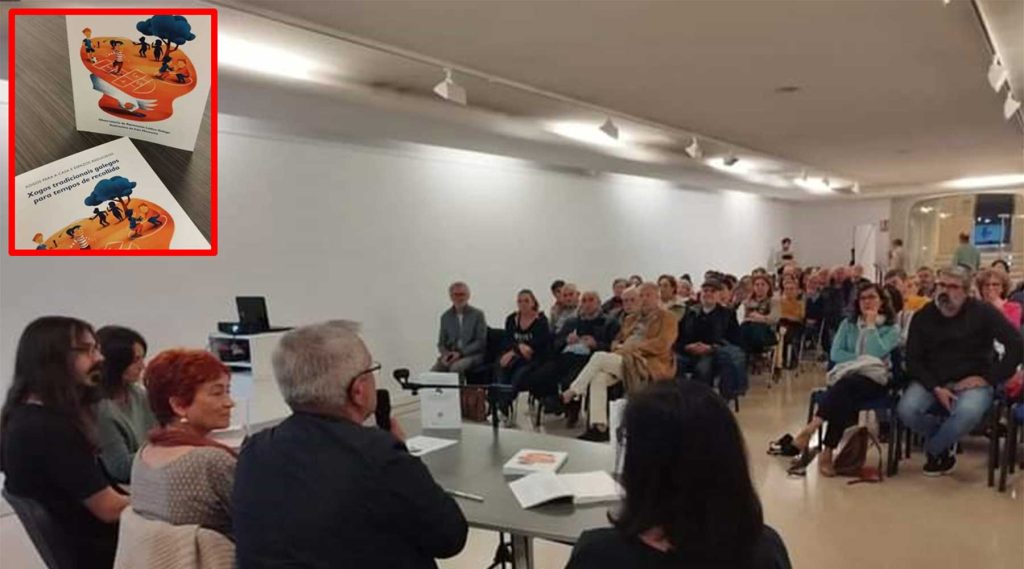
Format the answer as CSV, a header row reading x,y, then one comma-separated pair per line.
x,y
1011,106
449,90
610,129
693,150
730,160
997,74
856,187
803,175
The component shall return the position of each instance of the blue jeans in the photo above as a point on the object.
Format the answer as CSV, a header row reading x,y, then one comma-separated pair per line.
x,y
921,411
727,363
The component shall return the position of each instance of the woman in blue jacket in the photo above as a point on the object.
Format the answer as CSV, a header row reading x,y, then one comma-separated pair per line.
x,y
871,330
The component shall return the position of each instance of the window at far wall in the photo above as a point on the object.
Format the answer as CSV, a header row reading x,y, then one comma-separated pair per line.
x,y
993,220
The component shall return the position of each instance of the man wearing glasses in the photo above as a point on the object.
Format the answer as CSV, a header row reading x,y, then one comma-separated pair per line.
x,y
462,339
323,490
954,366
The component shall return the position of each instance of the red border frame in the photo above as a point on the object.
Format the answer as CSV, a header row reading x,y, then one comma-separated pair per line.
x,y
212,12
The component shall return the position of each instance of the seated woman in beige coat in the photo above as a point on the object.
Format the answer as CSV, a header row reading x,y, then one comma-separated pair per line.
x,y
641,352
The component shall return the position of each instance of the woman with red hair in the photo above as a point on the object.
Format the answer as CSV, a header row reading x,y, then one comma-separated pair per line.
x,y
183,476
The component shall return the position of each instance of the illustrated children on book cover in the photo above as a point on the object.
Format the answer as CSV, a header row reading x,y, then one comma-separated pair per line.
x,y
106,197
156,93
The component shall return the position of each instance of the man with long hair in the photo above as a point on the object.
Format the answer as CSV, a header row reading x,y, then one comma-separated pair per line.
x,y
48,448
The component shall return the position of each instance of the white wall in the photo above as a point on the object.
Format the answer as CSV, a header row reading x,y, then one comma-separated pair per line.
x,y
822,232
329,230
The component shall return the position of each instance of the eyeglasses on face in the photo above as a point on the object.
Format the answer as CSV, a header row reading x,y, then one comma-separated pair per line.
x,y
949,286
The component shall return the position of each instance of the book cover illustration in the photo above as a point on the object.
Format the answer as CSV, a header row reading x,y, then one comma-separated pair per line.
x,y
106,197
143,77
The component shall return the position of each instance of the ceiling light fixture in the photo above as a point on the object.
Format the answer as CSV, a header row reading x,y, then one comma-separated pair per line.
x,y
584,132
236,52
856,187
814,185
610,129
730,160
449,90
997,74
1011,106
693,150
976,182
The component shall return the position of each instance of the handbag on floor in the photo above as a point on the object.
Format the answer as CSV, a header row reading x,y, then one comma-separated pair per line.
x,y
474,403
853,457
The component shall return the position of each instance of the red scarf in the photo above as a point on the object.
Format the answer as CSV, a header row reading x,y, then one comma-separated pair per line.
x,y
171,437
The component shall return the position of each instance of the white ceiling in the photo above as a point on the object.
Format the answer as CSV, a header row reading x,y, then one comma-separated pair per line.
x,y
892,94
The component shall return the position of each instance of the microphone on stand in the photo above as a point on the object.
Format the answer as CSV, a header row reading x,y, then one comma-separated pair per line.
x,y
383,411
401,375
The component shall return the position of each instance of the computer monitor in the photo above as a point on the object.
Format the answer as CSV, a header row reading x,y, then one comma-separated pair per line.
x,y
252,314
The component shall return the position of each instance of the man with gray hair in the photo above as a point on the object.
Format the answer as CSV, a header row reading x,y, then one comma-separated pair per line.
x,y
323,490
462,340
954,366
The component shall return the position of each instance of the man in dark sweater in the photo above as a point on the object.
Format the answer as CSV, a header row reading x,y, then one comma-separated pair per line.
x,y
588,332
708,343
954,366
322,490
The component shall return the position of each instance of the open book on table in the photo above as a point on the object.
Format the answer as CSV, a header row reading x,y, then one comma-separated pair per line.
x,y
582,488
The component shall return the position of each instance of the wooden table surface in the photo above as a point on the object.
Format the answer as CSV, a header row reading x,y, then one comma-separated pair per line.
x,y
45,120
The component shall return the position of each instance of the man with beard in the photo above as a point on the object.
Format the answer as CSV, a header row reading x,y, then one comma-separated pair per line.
x,y
48,451
950,356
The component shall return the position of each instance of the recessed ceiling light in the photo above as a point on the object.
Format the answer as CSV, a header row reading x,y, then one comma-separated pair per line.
x,y
268,59
975,182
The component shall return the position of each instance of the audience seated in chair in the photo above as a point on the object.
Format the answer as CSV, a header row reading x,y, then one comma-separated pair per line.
x,y
49,452
556,291
123,416
527,342
182,476
708,343
668,291
567,306
926,282
462,340
950,357
589,332
792,314
689,499
613,306
642,352
761,313
994,287
856,379
910,302
321,489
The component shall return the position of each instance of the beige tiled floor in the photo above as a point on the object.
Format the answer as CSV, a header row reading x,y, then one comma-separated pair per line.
x,y
908,521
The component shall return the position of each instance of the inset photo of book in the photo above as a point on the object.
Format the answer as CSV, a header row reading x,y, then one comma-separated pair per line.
x,y
143,77
121,104
105,198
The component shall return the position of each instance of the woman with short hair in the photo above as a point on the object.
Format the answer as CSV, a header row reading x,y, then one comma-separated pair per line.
x,y
182,476
689,500
994,287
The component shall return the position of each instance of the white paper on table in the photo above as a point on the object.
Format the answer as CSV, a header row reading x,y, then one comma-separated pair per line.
x,y
440,408
592,487
538,488
421,445
615,411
